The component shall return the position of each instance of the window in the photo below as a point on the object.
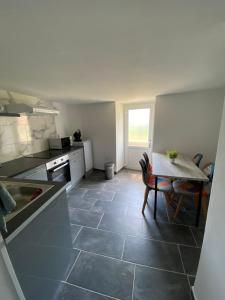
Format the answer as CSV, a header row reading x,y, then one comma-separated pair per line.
x,y
138,127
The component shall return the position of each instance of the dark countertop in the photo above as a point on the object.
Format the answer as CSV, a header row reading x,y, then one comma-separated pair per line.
x,y
14,167
23,215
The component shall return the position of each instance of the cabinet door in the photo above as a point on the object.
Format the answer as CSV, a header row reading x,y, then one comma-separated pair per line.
x,y
39,173
88,156
76,166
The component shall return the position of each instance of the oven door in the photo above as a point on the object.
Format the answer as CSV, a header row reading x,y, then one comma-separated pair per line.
x,y
60,173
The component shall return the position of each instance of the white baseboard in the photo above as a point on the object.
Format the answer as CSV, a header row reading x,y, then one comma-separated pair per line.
x,y
193,292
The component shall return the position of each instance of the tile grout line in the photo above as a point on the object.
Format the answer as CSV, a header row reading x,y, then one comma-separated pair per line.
x,y
189,279
85,210
114,196
77,234
90,209
72,267
74,193
139,236
133,283
135,265
168,222
100,220
188,282
193,236
84,193
78,187
121,234
154,268
130,262
92,228
181,259
123,248
189,246
164,222
36,276
85,289
167,212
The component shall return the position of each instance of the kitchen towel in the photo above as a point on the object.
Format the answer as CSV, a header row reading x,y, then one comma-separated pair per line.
x,y
7,204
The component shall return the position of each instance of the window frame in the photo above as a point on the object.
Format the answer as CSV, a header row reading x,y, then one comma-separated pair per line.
x,y
146,143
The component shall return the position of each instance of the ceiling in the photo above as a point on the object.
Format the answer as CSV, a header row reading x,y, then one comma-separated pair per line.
x,y
111,50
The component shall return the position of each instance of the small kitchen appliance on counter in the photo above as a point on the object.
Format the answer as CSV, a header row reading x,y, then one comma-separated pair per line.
x,y
77,136
59,143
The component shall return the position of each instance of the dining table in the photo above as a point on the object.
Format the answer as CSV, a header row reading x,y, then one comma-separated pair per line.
x,y
182,169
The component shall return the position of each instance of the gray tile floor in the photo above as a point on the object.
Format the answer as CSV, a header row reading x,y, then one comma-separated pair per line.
x,y
95,244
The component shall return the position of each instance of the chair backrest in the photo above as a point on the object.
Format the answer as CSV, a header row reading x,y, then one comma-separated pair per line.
x,y
148,164
144,170
197,159
146,158
208,170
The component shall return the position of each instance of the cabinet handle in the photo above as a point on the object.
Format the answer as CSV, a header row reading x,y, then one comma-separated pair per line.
x,y
60,167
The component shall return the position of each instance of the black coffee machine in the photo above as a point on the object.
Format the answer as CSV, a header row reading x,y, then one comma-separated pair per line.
x,y
77,136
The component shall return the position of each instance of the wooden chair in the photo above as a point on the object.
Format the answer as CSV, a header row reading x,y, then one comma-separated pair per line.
x,y
147,162
146,158
164,184
192,189
197,159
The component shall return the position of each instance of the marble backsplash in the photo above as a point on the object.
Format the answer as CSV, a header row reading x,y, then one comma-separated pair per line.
x,y
26,134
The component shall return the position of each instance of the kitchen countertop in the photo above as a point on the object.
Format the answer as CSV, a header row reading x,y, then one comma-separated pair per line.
x,y
14,167
56,189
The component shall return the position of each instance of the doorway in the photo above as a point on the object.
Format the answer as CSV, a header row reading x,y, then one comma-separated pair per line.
x,y
139,120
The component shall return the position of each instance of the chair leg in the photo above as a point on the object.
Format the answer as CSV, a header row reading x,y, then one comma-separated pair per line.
x,y
179,205
170,197
196,197
204,207
147,189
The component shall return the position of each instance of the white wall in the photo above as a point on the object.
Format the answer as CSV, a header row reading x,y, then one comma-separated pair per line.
x,y
119,136
97,122
209,282
69,119
189,122
99,125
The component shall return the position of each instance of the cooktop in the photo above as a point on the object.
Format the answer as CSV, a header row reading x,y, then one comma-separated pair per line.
x,y
48,153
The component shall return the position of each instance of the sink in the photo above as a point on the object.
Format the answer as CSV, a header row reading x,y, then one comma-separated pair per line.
x,y
24,194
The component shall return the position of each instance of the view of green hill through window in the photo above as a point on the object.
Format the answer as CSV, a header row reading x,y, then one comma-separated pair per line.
x,y
138,127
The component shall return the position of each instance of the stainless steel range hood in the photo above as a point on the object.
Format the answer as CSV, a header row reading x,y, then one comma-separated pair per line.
x,y
25,109
6,114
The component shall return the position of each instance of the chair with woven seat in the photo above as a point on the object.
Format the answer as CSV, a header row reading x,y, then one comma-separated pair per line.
x,y
197,159
146,158
193,188
164,185
149,167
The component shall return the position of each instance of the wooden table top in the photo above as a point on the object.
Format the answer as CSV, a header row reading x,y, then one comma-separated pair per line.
x,y
183,168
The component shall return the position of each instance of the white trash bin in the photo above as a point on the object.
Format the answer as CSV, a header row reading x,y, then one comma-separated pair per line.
x,y
109,170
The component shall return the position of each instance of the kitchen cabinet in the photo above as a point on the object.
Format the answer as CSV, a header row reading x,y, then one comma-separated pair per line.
x,y
38,173
77,168
88,157
9,284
